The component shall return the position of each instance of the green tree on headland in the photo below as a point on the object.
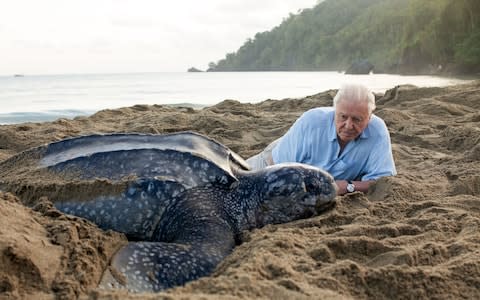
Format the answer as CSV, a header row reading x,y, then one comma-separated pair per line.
x,y
406,36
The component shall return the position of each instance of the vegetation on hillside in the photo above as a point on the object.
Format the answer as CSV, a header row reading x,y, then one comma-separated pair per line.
x,y
414,36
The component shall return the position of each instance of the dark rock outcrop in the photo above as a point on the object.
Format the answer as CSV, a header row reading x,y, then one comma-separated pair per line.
x,y
360,67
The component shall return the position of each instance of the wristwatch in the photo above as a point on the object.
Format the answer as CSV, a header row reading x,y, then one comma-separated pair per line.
x,y
350,187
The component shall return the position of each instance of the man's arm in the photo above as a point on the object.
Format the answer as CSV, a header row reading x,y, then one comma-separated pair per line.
x,y
380,160
360,186
292,145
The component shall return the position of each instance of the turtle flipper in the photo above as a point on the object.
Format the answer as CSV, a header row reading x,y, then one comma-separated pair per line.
x,y
113,156
193,242
155,266
183,167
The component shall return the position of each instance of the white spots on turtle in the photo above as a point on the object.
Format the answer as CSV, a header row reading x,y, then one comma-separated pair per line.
x,y
150,187
177,168
149,213
175,193
223,179
205,166
147,226
136,220
129,201
311,200
145,258
81,207
146,286
159,195
270,176
133,258
131,191
159,170
244,192
196,163
276,185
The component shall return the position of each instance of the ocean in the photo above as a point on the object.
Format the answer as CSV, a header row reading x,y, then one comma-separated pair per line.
x,y
39,98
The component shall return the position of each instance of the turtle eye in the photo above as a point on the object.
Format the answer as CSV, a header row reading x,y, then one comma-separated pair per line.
x,y
311,185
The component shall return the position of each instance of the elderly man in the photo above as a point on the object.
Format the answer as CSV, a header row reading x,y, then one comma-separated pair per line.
x,y
346,140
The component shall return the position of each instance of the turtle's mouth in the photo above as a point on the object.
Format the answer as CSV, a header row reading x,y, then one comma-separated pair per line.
x,y
321,199
317,204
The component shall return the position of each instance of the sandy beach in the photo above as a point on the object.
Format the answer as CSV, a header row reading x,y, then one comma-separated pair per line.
x,y
414,236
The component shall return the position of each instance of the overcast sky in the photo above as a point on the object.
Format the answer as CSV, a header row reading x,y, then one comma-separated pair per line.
x,y
102,36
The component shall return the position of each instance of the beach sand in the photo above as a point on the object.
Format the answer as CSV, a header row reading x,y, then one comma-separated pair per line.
x,y
415,235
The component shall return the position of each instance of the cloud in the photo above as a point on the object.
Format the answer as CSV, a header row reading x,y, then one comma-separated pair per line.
x,y
123,35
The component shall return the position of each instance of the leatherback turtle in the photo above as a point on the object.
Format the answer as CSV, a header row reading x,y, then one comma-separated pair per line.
x,y
182,199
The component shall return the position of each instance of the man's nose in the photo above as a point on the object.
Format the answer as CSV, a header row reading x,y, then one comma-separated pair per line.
x,y
349,123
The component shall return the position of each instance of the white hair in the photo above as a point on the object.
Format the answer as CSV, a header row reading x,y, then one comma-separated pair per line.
x,y
355,92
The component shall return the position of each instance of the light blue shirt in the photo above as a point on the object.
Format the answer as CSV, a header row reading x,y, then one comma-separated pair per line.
x,y
312,140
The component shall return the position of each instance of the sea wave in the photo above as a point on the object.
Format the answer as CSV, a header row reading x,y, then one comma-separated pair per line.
x,y
44,116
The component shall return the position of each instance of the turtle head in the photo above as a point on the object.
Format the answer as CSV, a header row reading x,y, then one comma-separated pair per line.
x,y
294,191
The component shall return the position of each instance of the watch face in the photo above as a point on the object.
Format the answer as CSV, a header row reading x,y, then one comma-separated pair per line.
x,y
350,188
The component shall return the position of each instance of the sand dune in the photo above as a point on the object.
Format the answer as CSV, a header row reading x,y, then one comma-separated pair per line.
x,y
415,235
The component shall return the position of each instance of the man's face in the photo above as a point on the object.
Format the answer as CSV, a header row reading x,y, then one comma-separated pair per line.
x,y
351,118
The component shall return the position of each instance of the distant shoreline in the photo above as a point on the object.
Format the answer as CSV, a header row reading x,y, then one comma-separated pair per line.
x,y
444,74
